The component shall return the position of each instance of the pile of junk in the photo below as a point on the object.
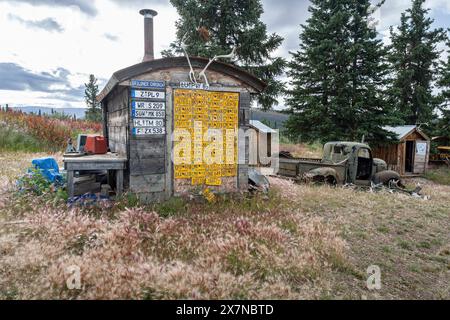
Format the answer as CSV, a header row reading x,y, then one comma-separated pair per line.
x,y
91,186
89,181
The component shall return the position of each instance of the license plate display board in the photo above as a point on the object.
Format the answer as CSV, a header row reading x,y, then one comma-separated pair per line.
x,y
148,107
200,113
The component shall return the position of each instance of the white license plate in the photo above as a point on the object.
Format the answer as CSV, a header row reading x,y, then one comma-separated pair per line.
x,y
190,85
149,114
142,123
149,131
146,94
142,105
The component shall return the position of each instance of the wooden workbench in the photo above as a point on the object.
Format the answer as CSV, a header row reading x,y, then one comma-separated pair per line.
x,y
109,161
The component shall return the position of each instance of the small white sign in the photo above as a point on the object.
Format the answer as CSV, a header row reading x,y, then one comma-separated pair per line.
x,y
143,123
147,94
149,114
421,148
191,85
149,131
143,105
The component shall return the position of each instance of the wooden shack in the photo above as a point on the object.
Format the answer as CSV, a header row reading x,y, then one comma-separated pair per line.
x,y
261,141
145,106
410,154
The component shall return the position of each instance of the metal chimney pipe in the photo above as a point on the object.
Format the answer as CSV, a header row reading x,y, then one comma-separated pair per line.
x,y
148,33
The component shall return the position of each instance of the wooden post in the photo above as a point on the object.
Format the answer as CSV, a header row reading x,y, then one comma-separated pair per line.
x,y
119,182
70,183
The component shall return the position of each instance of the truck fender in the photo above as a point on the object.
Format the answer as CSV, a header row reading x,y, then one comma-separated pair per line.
x,y
323,175
385,177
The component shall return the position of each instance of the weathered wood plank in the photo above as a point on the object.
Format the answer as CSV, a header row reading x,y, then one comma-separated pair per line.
x,y
244,108
119,182
118,118
147,149
147,183
148,198
147,166
118,99
120,148
243,177
81,166
118,134
169,145
70,185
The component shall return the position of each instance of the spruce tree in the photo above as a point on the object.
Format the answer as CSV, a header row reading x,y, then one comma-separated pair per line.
x,y
94,111
338,75
414,58
444,84
215,27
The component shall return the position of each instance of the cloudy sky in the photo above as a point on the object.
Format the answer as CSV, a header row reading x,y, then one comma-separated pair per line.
x,y
49,47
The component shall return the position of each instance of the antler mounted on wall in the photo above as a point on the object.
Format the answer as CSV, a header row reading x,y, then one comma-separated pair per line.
x,y
184,47
228,56
192,76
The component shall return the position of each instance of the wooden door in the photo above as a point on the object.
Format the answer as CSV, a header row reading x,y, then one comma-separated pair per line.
x,y
420,160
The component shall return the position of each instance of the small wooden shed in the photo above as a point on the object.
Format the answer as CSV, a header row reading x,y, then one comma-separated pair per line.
x,y
410,154
147,105
261,140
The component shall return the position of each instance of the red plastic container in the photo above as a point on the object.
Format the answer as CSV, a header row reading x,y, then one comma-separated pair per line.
x,y
96,145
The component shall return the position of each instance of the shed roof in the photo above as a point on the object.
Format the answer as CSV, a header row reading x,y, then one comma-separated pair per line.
x,y
173,62
404,131
258,125
275,119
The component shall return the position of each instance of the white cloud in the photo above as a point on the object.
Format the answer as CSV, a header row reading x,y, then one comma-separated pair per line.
x,y
83,47
103,36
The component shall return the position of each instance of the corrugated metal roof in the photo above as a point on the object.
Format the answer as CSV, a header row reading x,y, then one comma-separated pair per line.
x,y
275,120
181,62
258,125
403,131
400,131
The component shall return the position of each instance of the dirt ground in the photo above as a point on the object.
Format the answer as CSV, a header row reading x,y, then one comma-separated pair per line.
x,y
298,242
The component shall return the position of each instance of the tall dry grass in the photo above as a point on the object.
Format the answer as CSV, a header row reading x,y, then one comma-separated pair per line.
x,y
304,150
299,242
136,254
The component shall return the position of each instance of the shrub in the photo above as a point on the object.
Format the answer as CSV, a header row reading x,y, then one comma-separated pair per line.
x,y
11,140
52,132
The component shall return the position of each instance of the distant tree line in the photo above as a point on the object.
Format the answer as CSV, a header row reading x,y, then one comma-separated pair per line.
x,y
344,81
93,112
53,113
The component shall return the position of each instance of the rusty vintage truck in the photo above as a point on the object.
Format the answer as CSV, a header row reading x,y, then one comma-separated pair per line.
x,y
342,163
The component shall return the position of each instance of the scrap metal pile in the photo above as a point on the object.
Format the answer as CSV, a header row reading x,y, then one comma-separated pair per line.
x,y
393,187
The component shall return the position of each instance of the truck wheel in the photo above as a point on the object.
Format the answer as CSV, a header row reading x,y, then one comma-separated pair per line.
x,y
386,177
330,180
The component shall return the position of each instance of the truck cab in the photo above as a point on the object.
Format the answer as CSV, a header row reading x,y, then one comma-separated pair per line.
x,y
361,166
342,163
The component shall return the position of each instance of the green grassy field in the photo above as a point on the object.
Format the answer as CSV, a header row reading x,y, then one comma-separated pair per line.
x,y
441,175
